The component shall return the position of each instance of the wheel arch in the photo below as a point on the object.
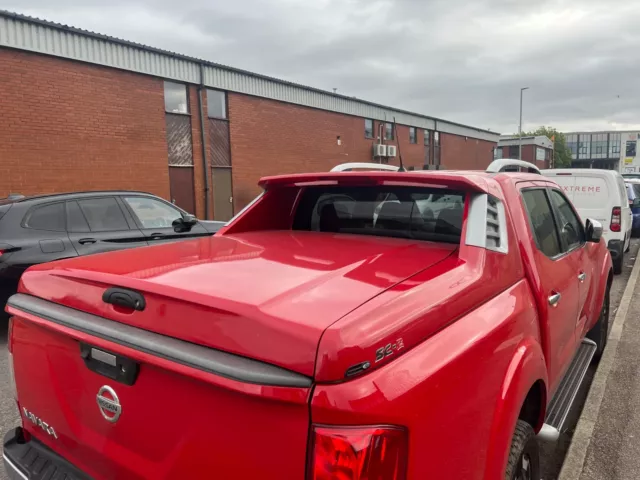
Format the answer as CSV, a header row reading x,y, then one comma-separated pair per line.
x,y
523,396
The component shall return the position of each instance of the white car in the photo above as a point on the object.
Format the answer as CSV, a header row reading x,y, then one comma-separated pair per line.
x,y
601,195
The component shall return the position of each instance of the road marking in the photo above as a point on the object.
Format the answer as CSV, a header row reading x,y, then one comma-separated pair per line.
x,y
574,460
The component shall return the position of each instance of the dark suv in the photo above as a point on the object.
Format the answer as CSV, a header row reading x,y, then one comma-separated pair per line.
x,y
41,229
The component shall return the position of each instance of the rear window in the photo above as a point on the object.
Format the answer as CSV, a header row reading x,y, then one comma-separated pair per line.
x,y
400,212
633,190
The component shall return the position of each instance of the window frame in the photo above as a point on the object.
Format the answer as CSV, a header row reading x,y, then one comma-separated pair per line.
x,y
556,213
415,135
226,104
186,91
373,127
135,218
23,222
386,132
115,199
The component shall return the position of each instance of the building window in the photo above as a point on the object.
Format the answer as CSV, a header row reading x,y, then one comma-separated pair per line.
x,y
584,146
436,148
368,128
388,131
599,145
514,151
413,137
216,104
427,138
614,144
497,153
572,144
175,98
427,147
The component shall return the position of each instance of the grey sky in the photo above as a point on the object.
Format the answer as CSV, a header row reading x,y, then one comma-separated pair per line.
x,y
463,60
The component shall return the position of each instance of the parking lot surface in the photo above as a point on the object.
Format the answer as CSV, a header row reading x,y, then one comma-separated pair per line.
x,y
552,454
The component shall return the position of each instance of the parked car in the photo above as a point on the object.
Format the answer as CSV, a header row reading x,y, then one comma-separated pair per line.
x,y
633,193
602,195
43,228
303,341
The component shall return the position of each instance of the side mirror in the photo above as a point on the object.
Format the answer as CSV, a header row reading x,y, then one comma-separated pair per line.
x,y
184,223
593,230
189,219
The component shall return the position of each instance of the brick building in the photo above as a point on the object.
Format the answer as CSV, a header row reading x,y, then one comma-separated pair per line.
x,y
537,150
82,111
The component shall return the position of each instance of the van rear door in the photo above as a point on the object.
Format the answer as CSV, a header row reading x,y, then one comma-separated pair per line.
x,y
589,194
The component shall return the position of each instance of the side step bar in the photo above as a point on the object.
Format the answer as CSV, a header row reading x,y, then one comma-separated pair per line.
x,y
565,395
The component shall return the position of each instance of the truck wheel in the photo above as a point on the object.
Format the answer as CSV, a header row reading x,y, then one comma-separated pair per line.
x,y
600,331
524,457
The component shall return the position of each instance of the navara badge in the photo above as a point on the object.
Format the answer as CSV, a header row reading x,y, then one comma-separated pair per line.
x,y
109,404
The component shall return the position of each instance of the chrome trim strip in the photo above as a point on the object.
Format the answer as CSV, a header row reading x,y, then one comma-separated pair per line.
x,y
13,472
202,358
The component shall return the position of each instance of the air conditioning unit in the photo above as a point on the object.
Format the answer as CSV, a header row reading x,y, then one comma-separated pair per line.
x,y
379,150
391,150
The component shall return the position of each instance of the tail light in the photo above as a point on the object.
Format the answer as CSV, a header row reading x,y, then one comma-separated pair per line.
x,y
358,453
616,214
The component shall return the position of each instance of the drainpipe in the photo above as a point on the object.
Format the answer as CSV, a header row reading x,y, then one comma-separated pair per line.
x,y
203,141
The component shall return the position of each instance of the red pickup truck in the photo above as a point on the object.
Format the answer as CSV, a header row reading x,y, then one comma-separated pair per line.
x,y
345,325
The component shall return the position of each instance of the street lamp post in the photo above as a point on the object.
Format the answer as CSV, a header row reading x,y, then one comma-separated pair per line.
x,y
520,125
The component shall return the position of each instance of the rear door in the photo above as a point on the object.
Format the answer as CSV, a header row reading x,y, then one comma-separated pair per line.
x,y
554,280
99,224
155,219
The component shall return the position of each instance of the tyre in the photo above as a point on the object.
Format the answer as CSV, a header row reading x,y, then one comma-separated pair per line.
x,y
600,331
524,456
617,264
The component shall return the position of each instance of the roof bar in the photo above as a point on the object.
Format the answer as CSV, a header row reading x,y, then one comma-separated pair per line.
x,y
345,167
503,164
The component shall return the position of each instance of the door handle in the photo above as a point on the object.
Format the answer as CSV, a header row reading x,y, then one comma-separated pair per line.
x,y
554,299
582,277
84,241
157,236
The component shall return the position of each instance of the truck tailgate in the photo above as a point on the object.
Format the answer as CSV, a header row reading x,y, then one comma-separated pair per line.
x,y
187,413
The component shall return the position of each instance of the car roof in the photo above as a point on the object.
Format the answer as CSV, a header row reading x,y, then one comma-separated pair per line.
x,y
587,172
70,195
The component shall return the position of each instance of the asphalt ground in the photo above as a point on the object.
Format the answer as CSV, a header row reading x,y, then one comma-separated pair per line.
x,y
552,455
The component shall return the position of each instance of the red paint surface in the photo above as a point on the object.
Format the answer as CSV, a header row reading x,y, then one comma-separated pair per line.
x,y
471,327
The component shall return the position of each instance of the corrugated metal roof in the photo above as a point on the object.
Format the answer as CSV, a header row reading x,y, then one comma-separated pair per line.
x,y
50,38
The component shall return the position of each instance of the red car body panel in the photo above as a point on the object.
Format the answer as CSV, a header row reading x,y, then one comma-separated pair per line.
x,y
467,334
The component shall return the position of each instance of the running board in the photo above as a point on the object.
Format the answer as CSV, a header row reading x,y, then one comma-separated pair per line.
x,y
561,402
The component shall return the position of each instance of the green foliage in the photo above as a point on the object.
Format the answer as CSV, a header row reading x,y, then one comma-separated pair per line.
x,y
561,154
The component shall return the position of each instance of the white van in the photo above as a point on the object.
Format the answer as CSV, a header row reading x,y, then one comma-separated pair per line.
x,y
601,195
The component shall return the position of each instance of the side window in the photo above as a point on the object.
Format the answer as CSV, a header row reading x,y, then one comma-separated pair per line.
x,y
76,223
541,219
153,213
571,229
48,217
103,214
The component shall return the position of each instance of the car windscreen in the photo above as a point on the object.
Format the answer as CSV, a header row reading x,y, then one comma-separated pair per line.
x,y
387,211
633,190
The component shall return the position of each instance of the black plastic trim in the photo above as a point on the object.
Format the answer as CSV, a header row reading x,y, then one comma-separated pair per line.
x,y
34,460
196,356
615,248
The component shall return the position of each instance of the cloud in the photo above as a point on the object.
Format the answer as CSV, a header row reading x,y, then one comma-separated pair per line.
x,y
462,60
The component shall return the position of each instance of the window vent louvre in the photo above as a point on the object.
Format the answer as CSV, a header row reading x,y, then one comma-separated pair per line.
x,y
493,224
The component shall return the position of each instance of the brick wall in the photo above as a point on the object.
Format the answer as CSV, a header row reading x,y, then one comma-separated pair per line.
x,y
271,138
68,126
465,153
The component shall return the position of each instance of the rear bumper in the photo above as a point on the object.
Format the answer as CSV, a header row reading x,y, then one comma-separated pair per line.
x,y
616,248
34,460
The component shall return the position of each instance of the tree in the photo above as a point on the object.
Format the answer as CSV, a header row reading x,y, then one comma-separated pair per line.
x,y
561,152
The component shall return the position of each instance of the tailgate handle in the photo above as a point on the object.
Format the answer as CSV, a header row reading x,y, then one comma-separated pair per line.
x,y
108,364
124,298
